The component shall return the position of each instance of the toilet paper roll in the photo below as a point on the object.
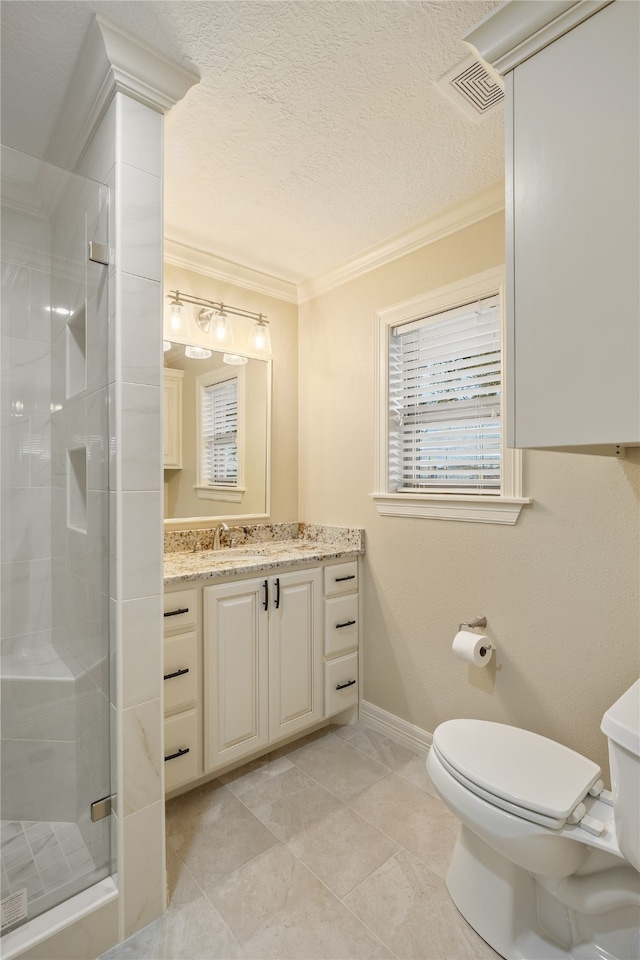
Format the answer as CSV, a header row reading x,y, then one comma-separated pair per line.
x,y
472,647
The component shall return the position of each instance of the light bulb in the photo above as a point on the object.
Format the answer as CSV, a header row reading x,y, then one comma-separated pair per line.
x,y
222,332
260,337
175,317
197,353
166,345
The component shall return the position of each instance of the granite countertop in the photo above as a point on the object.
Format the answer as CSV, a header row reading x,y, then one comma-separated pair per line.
x,y
263,554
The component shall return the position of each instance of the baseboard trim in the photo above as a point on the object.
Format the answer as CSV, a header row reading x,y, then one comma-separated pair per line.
x,y
408,734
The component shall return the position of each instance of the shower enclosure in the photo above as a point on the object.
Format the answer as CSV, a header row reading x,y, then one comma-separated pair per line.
x,y
55,537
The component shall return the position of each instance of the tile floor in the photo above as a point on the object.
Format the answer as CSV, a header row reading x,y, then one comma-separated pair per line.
x,y
332,847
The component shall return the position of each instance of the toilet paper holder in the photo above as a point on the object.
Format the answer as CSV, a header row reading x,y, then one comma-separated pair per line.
x,y
478,622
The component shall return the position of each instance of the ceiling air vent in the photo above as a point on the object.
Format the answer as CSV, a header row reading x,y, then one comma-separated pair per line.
x,y
472,88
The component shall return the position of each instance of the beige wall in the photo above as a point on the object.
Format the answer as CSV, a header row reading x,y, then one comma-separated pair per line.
x,y
284,397
560,589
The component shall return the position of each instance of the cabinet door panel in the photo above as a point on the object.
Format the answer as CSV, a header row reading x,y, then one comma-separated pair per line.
x,y
295,655
576,236
236,670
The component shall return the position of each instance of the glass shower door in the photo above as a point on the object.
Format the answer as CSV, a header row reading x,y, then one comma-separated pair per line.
x,y
54,499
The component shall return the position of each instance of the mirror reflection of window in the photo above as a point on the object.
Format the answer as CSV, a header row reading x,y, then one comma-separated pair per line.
x,y
220,431
219,440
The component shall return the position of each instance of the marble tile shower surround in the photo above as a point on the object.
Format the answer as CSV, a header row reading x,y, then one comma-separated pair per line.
x,y
54,624
45,858
184,541
335,846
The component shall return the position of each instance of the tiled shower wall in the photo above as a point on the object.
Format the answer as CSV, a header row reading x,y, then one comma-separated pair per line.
x,y
26,504
55,708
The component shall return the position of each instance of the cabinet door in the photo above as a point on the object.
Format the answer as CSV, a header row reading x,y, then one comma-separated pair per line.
x,y
295,654
575,234
236,665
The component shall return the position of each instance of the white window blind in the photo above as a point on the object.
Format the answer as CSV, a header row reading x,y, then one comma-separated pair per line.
x,y
219,426
444,402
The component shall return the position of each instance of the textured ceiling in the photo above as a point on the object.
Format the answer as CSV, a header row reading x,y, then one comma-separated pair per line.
x,y
316,130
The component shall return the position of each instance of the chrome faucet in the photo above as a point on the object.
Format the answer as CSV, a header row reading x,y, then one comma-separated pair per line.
x,y
220,528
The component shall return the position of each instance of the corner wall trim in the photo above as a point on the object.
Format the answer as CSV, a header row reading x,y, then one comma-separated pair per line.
x,y
182,255
454,218
403,732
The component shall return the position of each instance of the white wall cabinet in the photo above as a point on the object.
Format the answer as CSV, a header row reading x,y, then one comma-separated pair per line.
x,y
172,419
263,662
572,119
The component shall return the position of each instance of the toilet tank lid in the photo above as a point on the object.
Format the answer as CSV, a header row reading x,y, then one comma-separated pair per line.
x,y
517,765
621,722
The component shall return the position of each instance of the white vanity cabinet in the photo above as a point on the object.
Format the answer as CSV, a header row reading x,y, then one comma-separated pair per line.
x,y
262,662
572,121
182,700
172,419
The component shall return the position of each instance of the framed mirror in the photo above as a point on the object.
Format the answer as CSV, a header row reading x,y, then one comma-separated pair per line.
x,y
217,420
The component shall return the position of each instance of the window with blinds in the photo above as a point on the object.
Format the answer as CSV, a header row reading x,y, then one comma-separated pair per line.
x,y
444,402
219,433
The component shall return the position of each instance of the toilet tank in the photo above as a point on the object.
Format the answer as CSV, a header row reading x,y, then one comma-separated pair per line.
x,y
621,724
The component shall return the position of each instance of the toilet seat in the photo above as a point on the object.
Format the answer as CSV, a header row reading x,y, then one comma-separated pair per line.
x,y
519,771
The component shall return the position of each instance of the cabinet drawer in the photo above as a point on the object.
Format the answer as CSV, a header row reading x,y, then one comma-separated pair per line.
x,y
180,749
180,610
340,624
180,671
341,578
340,684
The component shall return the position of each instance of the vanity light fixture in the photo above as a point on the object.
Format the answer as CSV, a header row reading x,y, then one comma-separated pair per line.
x,y
176,319
166,345
260,337
214,319
222,331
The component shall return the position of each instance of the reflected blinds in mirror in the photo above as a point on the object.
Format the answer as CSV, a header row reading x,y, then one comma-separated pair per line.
x,y
220,432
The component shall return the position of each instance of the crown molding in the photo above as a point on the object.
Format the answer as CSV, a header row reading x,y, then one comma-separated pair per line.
x,y
454,218
200,261
515,31
112,61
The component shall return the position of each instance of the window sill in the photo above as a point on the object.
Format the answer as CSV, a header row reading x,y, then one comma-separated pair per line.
x,y
230,494
431,506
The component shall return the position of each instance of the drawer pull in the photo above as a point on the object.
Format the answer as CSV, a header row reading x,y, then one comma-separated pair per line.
x,y
176,673
347,623
351,576
176,613
180,753
342,686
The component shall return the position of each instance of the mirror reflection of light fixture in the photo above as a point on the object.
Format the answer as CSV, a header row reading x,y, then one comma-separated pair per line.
x,y
234,359
197,353
166,345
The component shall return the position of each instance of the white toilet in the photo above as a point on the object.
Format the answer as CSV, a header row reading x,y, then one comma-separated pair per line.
x,y
546,865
